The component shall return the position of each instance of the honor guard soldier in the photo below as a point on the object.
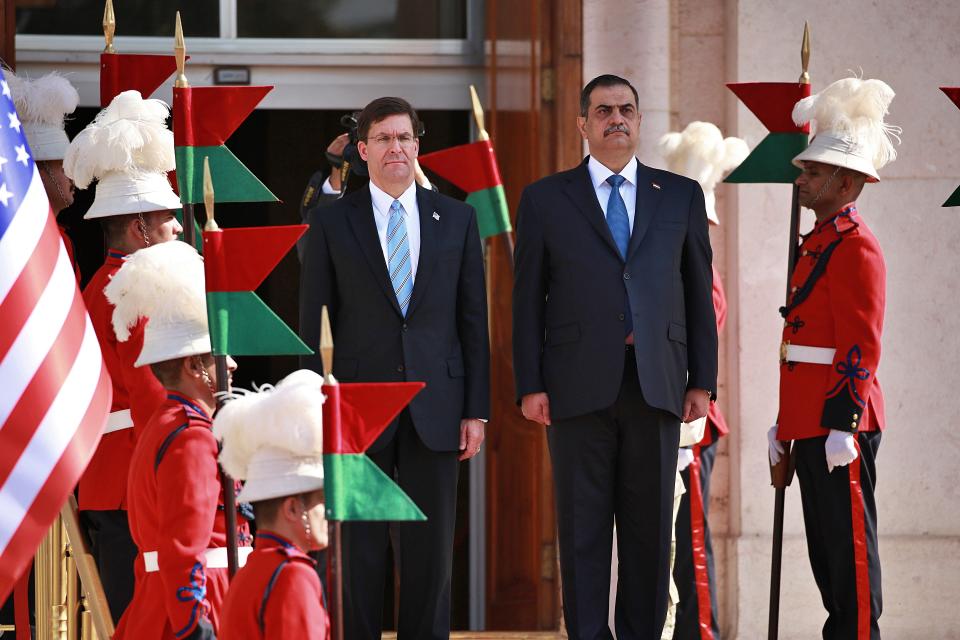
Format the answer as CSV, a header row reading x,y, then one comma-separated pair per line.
x,y
700,152
42,105
128,149
177,517
273,440
831,404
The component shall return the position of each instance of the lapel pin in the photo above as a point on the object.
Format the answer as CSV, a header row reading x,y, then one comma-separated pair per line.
x,y
436,216
655,185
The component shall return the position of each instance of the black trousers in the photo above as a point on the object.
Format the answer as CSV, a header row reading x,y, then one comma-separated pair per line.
x,y
840,517
616,464
693,569
113,549
425,548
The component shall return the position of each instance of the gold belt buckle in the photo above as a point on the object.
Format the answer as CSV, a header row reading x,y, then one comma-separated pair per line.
x,y
783,351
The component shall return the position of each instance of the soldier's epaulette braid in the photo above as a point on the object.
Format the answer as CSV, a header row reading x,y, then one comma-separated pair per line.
x,y
846,214
816,273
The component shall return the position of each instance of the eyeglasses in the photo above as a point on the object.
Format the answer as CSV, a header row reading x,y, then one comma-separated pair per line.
x,y
383,140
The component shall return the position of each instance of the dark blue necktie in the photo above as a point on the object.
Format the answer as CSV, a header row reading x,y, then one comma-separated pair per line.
x,y
617,218
619,224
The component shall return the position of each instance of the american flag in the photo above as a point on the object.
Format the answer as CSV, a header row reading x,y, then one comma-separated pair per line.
x,y
54,388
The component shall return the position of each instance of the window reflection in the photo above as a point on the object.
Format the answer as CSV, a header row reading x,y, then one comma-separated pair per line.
x,y
429,19
201,18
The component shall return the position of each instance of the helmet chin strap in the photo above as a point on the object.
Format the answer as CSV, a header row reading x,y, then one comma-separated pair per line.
x,y
56,183
143,228
206,376
826,185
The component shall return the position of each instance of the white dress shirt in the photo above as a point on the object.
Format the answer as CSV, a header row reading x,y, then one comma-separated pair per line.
x,y
327,189
381,215
628,189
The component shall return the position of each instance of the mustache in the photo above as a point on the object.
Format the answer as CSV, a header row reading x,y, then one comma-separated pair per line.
x,y
616,128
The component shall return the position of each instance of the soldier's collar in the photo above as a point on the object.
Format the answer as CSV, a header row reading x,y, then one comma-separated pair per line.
x,y
842,221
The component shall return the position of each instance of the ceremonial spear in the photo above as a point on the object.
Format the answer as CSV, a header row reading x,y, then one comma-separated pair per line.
x,y
771,162
781,474
223,373
189,219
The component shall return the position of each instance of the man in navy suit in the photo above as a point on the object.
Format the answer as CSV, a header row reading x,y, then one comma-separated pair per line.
x,y
401,270
614,342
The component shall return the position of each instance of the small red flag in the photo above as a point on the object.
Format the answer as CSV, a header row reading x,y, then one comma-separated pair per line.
x,y
240,259
772,103
207,116
471,167
121,72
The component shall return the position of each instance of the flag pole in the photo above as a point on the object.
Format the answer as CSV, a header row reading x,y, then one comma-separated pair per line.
x,y
335,552
781,474
223,375
181,82
483,135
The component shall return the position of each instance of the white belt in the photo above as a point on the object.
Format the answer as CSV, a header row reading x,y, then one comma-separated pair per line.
x,y
800,353
119,420
216,558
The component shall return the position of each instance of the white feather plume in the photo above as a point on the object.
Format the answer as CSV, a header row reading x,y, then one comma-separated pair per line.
x,y
288,418
163,282
46,100
130,136
702,153
854,108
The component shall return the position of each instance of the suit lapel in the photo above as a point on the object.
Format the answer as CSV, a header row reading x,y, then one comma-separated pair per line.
x,y
580,190
429,240
648,201
365,229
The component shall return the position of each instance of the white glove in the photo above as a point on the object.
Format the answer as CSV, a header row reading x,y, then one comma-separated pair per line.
x,y
840,449
684,458
775,447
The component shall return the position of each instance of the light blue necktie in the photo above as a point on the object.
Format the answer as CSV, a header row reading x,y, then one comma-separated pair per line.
x,y
617,218
398,250
619,224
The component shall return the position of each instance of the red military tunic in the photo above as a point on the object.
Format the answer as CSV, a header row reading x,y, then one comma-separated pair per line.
x,y
103,486
276,595
176,516
715,417
841,309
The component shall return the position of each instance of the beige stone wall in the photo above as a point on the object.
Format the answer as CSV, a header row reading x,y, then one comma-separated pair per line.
x,y
679,53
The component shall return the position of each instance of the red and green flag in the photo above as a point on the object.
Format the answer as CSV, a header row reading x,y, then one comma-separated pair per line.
x,y
235,263
121,72
473,168
772,103
203,119
954,94
354,415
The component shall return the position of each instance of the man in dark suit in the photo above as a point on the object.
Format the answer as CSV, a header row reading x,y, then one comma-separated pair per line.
x,y
614,343
400,269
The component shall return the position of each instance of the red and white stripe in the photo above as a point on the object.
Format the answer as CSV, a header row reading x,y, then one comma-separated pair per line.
x,y
55,391
860,560
698,539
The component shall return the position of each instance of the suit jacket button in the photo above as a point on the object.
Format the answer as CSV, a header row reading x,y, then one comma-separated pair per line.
x,y
620,317
400,369
626,276
404,326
